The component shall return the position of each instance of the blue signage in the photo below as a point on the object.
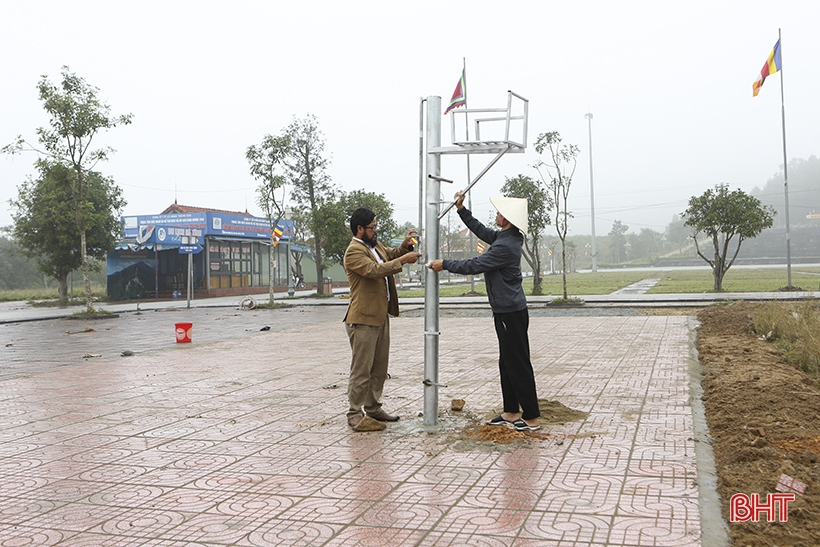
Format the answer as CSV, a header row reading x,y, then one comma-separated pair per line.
x,y
170,229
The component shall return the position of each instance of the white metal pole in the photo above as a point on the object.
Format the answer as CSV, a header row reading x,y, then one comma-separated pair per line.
x,y
592,198
470,252
785,171
431,252
420,227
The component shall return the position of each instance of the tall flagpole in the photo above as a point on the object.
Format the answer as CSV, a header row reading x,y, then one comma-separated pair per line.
x,y
588,116
471,250
785,171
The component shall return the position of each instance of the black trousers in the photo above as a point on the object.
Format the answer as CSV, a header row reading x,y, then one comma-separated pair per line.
x,y
517,378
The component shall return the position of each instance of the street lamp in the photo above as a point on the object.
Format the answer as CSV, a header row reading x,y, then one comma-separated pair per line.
x,y
588,116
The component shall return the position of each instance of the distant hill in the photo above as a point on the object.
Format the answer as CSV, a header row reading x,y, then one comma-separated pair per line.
x,y
804,192
767,248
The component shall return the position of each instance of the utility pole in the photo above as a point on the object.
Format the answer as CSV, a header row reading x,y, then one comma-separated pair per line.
x,y
588,116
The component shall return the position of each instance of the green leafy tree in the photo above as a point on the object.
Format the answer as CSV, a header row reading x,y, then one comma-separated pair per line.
x,y
617,239
677,233
77,115
724,216
45,225
539,204
450,239
266,159
556,174
310,184
335,216
16,270
648,244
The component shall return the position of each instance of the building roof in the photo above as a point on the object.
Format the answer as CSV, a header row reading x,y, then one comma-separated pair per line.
x,y
176,208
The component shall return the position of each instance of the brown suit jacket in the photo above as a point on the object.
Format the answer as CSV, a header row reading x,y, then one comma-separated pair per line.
x,y
368,292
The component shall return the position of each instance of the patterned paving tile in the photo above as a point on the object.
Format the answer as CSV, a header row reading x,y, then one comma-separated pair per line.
x,y
220,451
14,511
76,517
126,495
141,522
652,531
287,533
567,528
450,539
26,535
365,536
471,521
327,510
358,489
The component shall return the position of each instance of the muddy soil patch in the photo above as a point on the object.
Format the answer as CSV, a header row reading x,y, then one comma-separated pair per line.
x,y
764,416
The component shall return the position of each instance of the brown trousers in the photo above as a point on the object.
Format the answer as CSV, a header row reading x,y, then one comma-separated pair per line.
x,y
368,367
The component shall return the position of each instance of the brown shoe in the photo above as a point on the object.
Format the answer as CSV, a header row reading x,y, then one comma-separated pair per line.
x,y
353,421
383,416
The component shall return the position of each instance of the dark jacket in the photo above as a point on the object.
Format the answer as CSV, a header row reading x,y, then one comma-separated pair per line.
x,y
500,264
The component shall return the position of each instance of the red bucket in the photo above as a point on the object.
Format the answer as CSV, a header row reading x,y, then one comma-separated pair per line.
x,y
183,332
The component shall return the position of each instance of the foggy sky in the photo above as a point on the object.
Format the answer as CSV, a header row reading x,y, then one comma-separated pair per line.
x,y
669,86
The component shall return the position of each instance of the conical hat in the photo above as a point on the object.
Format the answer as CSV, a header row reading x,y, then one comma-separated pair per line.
x,y
513,209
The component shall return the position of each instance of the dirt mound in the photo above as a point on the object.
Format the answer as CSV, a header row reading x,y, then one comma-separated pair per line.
x,y
488,437
764,415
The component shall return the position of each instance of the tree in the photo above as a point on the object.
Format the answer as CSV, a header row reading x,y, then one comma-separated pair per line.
x,y
45,225
17,271
804,188
77,116
310,183
264,159
539,203
721,216
556,174
647,245
617,236
335,216
677,233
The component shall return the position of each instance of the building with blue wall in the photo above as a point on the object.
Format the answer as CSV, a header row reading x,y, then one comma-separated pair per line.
x,y
230,254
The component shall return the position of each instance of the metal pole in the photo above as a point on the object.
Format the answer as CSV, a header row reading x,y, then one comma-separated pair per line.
x,y
421,170
470,252
289,275
431,252
785,171
156,272
190,277
592,198
189,289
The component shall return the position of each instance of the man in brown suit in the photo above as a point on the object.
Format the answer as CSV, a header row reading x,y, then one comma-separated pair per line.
x,y
370,267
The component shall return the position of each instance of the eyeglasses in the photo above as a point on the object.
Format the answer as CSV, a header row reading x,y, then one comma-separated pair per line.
x,y
372,227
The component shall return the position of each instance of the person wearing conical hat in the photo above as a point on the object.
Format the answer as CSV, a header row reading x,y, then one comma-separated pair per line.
x,y
501,266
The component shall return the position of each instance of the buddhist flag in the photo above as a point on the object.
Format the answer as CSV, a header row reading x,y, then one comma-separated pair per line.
x,y
459,95
277,233
772,65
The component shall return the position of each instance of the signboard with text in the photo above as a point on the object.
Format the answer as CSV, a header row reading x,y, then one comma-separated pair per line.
x,y
170,229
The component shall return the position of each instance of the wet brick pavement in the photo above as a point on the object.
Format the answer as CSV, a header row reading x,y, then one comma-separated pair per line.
x,y
240,438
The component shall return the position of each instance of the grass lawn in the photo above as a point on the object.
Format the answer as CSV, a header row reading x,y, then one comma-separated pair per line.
x,y
671,281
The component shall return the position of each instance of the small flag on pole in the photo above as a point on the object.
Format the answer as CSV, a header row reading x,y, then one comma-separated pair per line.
x,y
459,95
277,234
772,65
